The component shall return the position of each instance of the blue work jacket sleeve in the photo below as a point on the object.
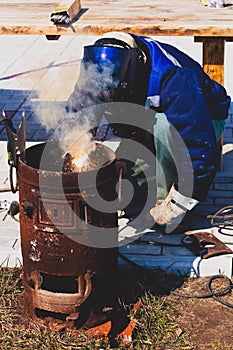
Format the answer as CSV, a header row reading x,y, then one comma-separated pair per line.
x,y
217,100
184,103
216,97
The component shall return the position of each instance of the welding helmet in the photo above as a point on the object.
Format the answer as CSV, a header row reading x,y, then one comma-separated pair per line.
x,y
121,67
113,69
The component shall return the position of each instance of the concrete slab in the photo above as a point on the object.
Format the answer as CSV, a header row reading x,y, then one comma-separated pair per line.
x,y
10,248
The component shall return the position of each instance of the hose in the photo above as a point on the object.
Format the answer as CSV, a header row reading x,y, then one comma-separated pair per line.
x,y
211,294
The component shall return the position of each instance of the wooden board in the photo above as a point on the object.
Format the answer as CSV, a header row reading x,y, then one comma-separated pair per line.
x,y
157,17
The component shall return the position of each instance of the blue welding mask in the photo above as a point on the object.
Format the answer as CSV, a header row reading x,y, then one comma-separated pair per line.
x,y
112,70
120,71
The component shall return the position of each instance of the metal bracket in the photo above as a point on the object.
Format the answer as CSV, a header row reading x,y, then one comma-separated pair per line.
x,y
16,138
205,244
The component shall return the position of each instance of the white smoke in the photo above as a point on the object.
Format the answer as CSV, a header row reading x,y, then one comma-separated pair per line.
x,y
91,84
83,110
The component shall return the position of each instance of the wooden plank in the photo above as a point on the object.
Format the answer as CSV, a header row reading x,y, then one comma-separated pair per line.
x,y
158,17
213,65
213,57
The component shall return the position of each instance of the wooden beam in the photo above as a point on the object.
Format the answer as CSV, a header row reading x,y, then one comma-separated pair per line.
x,y
173,17
213,65
213,57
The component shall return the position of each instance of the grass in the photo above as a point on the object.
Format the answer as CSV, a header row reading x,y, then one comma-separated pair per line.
x,y
15,335
156,326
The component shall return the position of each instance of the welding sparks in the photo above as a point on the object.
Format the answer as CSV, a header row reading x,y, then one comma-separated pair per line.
x,y
80,151
80,162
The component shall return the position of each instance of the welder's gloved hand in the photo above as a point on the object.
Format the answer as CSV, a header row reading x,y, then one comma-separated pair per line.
x,y
172,210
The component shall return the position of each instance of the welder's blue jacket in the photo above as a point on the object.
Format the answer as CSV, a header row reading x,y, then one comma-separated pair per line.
x,y
179,88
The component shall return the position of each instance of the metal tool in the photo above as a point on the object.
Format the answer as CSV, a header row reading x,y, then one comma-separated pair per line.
x,y
15,146
223,217
16,138
205,244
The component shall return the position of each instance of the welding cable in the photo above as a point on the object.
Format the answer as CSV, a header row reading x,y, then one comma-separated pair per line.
x,y
12,217
210,293
216,295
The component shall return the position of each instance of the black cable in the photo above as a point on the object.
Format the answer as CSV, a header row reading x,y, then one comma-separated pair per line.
x,y
215,297
210,293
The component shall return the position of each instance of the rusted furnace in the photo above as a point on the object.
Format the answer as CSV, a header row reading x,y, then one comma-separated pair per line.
x,y
69,249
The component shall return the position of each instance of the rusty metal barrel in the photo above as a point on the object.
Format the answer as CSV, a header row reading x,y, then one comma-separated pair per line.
x,y
61,270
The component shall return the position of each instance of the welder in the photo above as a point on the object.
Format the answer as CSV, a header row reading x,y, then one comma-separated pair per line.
x,y
189,112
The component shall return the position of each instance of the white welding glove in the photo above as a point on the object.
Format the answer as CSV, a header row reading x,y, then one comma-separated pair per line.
x,y
172,210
